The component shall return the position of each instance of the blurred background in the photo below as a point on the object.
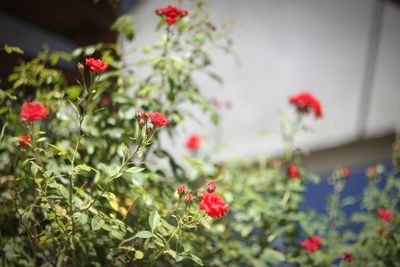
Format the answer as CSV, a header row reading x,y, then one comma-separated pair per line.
x,y
345,52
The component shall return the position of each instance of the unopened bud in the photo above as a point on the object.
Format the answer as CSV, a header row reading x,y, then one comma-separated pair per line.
x,y
141,122
211,186
371,171
181,189
344,172
149,131
139,115
80,66
189,198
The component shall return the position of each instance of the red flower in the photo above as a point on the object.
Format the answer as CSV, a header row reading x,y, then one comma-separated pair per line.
x,y
347,256
211,186
32,111
171,14
96,65
305,102
189,198
344,172
293,172
193,142
25,140
214,205
181,189
311,244
385,215
157,118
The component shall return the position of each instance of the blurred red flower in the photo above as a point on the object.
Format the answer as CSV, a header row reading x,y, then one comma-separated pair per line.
x,y
293,172
214,205
347,256
32,111
306,102
385,215
25,140
157,118
193,142
171,13
96,65
311,244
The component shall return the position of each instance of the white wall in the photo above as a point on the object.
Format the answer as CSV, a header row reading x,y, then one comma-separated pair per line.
x,y
286,46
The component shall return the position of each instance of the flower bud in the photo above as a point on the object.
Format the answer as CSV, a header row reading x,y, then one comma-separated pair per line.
x,y
211,186
343,172
371,171
181,189
138,115
80,66
149,131
141,122
189,198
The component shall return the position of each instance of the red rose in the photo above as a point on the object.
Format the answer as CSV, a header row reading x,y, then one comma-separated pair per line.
x,y
385,215
311,244
214,205
347,256
25,140
193,142
293,172
157,118
32,111
96,65
211,186
189,198
305,102
171,14
343,172
181,189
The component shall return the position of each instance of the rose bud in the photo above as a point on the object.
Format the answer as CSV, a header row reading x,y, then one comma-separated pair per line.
x,y
181,189
189,198
80,66
138,115
211,186
141,122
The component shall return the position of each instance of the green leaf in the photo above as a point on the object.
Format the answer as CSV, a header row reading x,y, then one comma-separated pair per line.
x,y
61,152
154,220
12,49
144,234
35,168
195,259
135,169
83,167
83,219
97,223
273,256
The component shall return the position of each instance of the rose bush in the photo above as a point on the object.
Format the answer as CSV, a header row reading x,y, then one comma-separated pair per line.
x,y
85,180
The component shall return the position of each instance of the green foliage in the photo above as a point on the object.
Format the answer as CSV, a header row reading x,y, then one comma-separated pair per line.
x,y
91,189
